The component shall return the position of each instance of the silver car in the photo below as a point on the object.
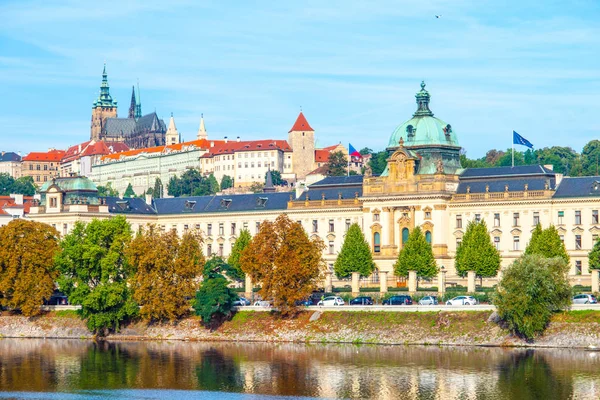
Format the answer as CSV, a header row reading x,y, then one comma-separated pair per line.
x,y
428,301
585,299
462,301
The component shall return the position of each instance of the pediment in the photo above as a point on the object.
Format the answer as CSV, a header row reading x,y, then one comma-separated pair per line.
x,y
314,236
376,225
516,232
232,238
427,209
561,230
496,232
220,240
403,220
595,230
427,225
330,237
376,211
458,233
578,230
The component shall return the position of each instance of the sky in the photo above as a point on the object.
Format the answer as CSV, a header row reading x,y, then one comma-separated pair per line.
x,y
352,67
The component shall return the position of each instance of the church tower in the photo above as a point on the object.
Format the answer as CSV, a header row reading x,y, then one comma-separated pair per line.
x,y
202,130
172,136
104,107
135,107
302,140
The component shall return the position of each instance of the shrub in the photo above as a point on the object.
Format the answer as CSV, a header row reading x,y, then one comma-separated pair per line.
x,y
531,290
214,299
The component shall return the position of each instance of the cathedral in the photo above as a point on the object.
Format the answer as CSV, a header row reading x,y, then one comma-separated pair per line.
x,y
136,131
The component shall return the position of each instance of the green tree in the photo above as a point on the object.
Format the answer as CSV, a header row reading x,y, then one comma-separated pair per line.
x,y
531,290
192,183
214,299
129,192
94,272
23,185
476,252
590,158
236,252
256,187
594,256
378,162
547,243
365,151
416,255
158,190
337,164
27,271
226,182
107,191
355,255
213,184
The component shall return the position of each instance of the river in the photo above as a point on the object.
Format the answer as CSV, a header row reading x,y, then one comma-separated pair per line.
x,y
80,369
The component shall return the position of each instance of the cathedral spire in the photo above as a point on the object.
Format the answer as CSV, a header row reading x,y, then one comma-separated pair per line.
x,y
133,104
104,100
138,102
202,130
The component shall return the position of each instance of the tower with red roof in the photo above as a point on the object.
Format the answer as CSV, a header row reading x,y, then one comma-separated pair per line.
x,y
302,140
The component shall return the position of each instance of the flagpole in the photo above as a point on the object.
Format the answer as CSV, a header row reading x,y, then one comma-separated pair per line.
x,y
513,152
348,169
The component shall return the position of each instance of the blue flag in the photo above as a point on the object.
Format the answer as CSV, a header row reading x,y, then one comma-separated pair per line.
x,y
518,139
352,151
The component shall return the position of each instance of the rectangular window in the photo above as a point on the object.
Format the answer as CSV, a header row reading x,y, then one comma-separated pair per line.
x,y
245,165
220,249
209,229
45,167
53,202
594,216
331,247
536,218
515,243
347,225
458,242
497,219
561,214
497,242
427,214
37,167
221,229
257,227
233,228
65,229
594,239
477,217
562,238
578,267
459,221
376,217
185,227
245,226
31,167
515,219
577,217
209,249
315,225
331,226
578,242
197,226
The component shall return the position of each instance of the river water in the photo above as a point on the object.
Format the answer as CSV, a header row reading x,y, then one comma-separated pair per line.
x,y
73,369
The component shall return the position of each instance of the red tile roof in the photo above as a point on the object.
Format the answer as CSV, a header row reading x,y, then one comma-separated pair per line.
x,y
90,148
50,156
321,155
201,143
301,124
9,202
248,145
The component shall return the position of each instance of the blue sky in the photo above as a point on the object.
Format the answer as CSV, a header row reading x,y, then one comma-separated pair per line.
x,y
353,67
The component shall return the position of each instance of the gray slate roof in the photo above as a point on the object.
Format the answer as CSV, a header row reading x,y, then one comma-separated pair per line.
x,y
505,171
331,193
9,156
335,181
498,184
133,205
150,122
586,186
119,126
223,203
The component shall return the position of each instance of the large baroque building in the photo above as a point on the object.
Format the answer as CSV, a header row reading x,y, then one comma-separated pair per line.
x,y
423,185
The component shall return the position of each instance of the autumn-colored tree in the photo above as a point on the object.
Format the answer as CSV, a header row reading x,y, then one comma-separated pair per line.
x,y
284,261
166,270
94,272
235,271
27,272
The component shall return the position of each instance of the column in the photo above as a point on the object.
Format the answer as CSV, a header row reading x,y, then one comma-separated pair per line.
x,y
383,283
471,282
328,282
355,286
595,281
442,282
248,292
412,282
392,228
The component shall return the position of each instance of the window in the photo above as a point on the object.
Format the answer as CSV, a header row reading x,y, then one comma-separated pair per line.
x,y
31,167
458,242
37,167
45,178
562,238
257,226
185,227
65,229
428,236
497,219
477,217
376,217
376,242
331,226
221,229
197,226
594,216
497,242
427,214
578,242
578,267
515,243
405,234
233,228
536,218
347,225
561,214
315,225
331,247
252,164
45,167
245,226
459,221
53,202
239,165
220,249
515,219
209,229
577,217
245,165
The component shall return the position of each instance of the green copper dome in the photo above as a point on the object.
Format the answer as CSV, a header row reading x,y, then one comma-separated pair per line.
x,y
423,129
70,184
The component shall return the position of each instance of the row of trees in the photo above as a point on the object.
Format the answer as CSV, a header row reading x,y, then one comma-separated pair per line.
x,y
10,185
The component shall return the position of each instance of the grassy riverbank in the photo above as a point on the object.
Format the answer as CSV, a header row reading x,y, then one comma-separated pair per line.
x,y
568,329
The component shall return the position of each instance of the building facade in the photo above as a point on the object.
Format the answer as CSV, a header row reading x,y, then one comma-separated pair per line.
x,y
79,159
10,163
42,167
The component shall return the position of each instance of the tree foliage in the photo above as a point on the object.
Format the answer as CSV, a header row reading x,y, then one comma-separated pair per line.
x,y
27,271
355,255
337,164
107,191
378,162
240,244
129,192
476,252
416,255
192,183
531,289
94,272
166,270
276,177
226,182
284,261
214,299
547,243
256,187
594,256
23,185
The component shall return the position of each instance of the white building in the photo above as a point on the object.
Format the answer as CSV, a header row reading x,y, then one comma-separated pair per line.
x,y
10,163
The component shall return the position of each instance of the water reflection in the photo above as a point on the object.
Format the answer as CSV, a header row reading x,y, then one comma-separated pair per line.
x,y
328,371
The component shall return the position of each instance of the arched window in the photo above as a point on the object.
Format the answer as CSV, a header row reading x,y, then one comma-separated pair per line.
x,y
428,236
376,242
404,235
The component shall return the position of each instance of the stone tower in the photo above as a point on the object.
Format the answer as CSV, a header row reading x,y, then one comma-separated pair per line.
x,y
172,136
202,129
302,140
104,107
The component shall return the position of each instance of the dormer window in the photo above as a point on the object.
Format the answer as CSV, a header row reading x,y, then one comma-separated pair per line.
x,y
225,203
123,205
447,130
261,202
189,205
410,130
596,186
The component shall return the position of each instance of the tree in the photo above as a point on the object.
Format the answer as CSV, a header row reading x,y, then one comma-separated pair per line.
x,y
214,299
158,190
236,252
107,191
590,158
285,262
337,164
129,192
355,255
27,271
23,185
378,162
256,187
94,272
547,243
476,252
165,272
226,182
276,177
365,150
192,183
594,256
416,255
213,184
531,290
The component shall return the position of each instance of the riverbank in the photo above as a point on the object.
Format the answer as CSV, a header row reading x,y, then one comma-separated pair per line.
x,y
572,329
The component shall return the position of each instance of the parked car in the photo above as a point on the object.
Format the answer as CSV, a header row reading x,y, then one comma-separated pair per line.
x,y
398,301
262,303
428,301
585,299
241,301
361,301
462,301
331,301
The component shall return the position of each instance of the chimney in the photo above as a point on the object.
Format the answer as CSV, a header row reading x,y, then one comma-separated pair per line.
x,y
79,151
225,139
149,199
212,144
18,198
238,139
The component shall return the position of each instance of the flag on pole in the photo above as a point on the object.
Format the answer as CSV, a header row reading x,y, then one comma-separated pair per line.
x,y
518,139
353,152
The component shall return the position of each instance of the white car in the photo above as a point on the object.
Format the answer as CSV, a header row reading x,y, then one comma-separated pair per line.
x,y
262,303
331,301
462,301
428,301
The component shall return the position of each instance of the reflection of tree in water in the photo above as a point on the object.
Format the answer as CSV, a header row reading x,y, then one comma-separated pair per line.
x,y
27,371
528,375
107,365
216,372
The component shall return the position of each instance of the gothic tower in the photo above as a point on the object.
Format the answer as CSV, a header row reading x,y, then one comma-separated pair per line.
x,y
135,107
172,136
302,140
104,107
202,130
